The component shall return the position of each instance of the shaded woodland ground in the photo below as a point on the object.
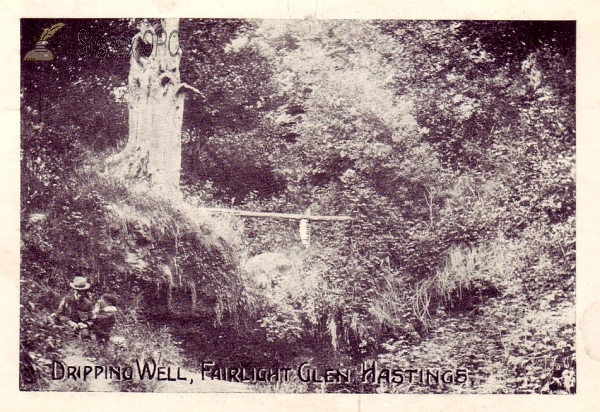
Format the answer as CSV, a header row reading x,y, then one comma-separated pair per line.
x,y
452,144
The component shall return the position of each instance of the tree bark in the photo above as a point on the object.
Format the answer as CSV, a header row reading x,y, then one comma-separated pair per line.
x,y
155,99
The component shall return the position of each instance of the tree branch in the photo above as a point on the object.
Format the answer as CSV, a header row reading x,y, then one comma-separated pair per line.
x,y
187,86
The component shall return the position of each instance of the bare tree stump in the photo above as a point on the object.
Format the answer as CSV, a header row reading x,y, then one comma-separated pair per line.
x,y
155,99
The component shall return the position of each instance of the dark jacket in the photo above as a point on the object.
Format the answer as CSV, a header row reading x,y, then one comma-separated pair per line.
x,y
76,310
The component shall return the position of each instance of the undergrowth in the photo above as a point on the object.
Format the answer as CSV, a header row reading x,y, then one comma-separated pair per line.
x,y
512,333
151,251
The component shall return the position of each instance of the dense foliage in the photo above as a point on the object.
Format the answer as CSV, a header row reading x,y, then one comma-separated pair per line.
x,y
452,144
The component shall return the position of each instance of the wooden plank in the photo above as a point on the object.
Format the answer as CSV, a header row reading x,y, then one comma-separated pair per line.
x,y
245,213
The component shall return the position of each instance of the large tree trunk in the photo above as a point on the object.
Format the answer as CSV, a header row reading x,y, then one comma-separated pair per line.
x,y
155,98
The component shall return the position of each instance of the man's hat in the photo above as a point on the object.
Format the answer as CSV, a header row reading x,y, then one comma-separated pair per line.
x,y
80,283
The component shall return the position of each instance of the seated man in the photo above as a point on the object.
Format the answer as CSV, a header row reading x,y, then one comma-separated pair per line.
x,y
75,309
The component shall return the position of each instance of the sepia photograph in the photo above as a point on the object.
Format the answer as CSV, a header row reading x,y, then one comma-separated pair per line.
x,y
297,206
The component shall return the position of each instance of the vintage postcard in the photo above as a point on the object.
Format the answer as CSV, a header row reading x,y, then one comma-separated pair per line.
x,y
259,206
